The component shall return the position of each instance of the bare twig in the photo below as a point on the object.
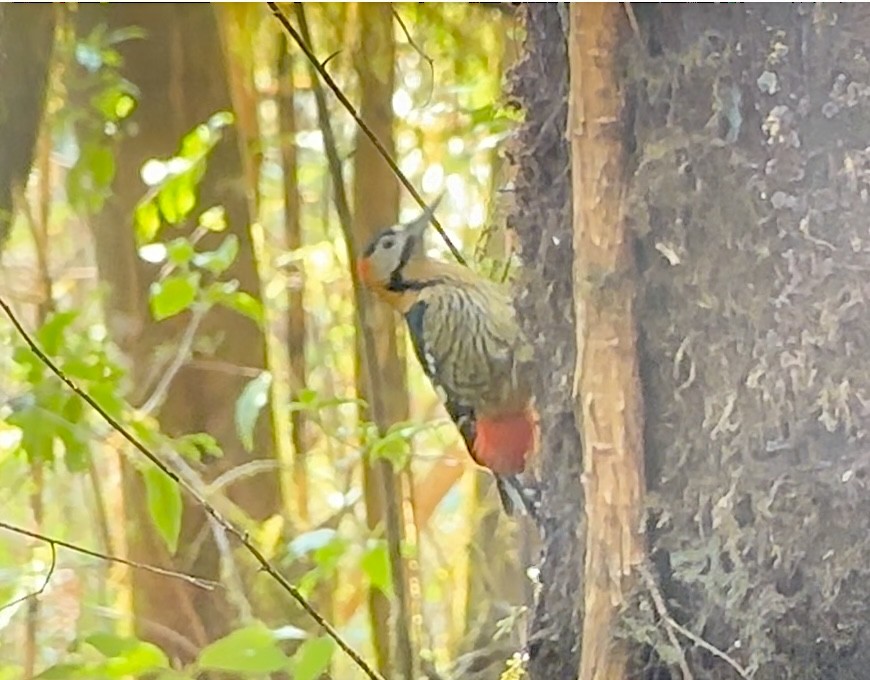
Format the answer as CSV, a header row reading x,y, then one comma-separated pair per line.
x,y
178,360
55,543
39,591
230,574
243,471
417,49
336,90
273,573
663,613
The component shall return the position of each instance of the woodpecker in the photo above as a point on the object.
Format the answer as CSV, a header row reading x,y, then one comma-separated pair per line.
x,y
466,337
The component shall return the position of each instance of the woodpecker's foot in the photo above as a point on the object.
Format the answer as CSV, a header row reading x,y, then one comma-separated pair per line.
x,y
515,492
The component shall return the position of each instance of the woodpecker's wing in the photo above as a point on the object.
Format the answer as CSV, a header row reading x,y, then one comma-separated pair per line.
x,y
460,413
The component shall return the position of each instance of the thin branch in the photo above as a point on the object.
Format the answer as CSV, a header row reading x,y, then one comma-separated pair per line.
x,y
55,543
662,609
39,591
336,90
230,574
417,49
178,361
273,573
663,613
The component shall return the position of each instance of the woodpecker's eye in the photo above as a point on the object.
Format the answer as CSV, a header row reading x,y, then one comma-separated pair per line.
x,y
388,243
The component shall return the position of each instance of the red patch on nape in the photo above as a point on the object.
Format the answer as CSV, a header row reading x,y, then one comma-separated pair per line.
x,y
364,270
504,443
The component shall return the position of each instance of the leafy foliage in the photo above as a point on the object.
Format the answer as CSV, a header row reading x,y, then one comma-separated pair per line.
x,y
183,240
111,99
52,420
249,652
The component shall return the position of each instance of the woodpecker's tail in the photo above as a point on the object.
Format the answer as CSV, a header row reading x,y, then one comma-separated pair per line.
x,y
514,493
504,442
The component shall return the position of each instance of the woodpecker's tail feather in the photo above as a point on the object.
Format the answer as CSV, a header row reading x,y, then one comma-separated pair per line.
x,y
514,493
503,443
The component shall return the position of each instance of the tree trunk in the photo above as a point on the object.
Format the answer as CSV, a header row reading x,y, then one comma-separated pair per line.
x,y
180,73
746,200
750,205
608,405
26,41
375,206
544,302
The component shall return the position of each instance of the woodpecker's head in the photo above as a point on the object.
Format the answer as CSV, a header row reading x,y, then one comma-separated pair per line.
x,y
392,249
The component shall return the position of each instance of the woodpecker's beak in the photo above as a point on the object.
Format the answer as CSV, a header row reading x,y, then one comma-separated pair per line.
x,y
417,227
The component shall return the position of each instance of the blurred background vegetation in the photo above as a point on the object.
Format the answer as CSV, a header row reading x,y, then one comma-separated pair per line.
x,y
178,250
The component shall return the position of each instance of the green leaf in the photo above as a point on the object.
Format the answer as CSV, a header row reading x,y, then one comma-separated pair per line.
x,y
76,449
114,103
197,142
37,432
214,219
111,645
164,505
312,658
248,406
62,671
219,260
250,650
125,33
328,556
51,333
196,445
89,179
101,163
375,564
237,300
147,218
180,251
126,656
393,447
307,397
177,196
173,295
143,657
247,305
24,357
220,120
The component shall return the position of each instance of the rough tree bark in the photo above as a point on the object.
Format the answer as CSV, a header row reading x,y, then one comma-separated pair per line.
x,y
26,41
544,302
747,202
750,206
608,402
179,70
